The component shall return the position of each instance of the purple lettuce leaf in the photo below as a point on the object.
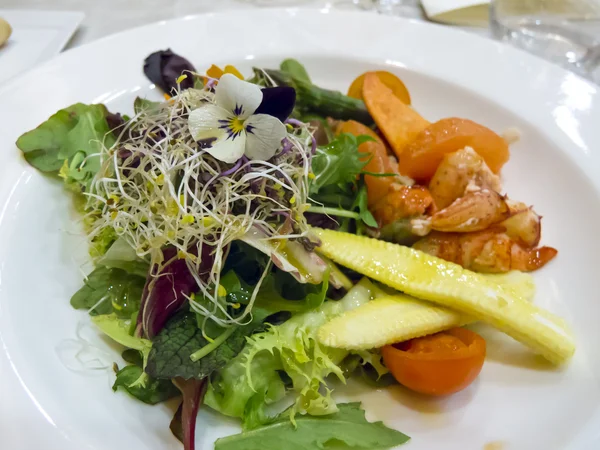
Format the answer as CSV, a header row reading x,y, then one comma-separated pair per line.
x,y
183,425
166,290
164,67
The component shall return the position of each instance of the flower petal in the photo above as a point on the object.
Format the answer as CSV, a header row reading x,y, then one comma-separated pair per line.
x,y
237,96
228,149
264,134
278,102
206,124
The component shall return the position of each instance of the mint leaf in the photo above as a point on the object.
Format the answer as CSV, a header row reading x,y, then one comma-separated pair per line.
x,y
173,347
339,162
149,391
107,290
346,429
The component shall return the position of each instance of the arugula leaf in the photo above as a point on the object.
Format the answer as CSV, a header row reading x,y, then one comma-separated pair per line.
x,y
338,188
295,69
64,144
181,337
346,429
339,162
361,202
151,391
107,290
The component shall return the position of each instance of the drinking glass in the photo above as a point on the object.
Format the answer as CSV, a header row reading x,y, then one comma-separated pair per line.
x,y
566,32
399,7
276,2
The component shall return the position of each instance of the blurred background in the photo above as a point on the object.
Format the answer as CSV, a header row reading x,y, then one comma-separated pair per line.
x,y
566,32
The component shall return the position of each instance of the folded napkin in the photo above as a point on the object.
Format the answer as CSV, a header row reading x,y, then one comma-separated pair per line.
x,y
458,12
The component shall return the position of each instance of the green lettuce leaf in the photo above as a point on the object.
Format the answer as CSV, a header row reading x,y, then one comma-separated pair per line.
x,y
119,330
281,292
253,380
64,144
295,69
102,241
140,104
121,255
238,291
108,290
346,429
151,391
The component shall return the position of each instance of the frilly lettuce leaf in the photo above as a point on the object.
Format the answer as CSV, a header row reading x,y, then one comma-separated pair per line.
x,y
252,381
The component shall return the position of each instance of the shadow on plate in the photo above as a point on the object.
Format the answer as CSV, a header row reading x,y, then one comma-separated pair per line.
x,y
433,405
504,350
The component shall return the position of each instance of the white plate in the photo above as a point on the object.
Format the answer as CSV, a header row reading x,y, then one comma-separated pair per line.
x,y
518,401
37,36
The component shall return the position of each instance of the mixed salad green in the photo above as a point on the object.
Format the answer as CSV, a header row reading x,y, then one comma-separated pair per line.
x,y
197,211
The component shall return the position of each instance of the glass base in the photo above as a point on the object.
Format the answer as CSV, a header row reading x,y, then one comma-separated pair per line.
x,y
563,42
397,7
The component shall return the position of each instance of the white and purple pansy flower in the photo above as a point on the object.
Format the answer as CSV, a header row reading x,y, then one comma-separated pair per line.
x,y
238,123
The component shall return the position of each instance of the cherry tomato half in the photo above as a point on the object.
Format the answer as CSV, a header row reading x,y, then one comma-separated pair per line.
x,y
440,364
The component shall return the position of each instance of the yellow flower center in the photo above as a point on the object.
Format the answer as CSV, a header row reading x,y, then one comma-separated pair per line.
x,y
236,125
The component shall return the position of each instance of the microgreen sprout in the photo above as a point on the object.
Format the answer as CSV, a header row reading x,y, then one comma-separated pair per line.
x,y
158,188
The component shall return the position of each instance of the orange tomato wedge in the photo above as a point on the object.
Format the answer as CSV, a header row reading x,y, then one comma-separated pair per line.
x,y
399,123
377,157
424,154
387,78
440,364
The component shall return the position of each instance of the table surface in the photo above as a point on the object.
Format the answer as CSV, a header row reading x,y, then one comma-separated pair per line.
x,y
110,16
